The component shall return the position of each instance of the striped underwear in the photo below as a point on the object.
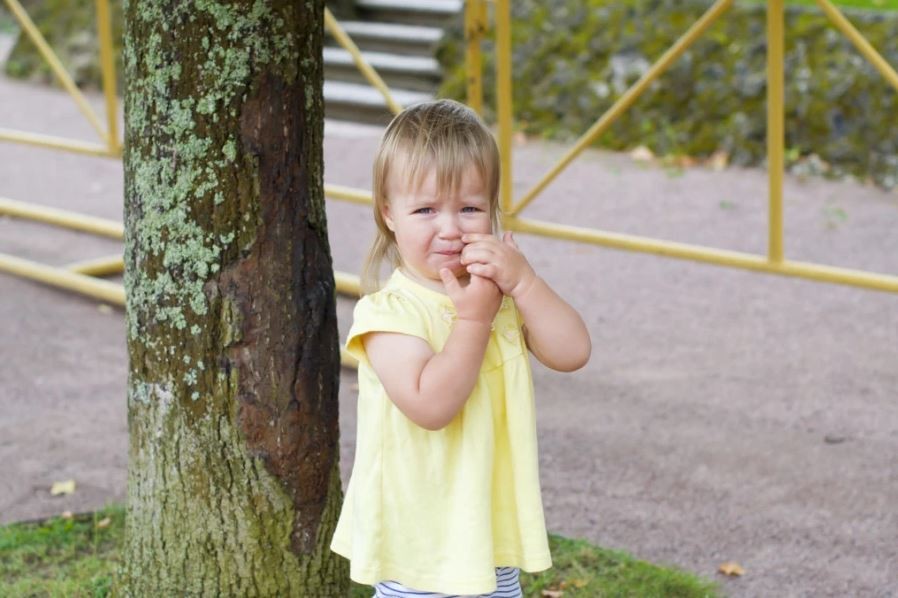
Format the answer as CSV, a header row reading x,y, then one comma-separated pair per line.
x,y
508,585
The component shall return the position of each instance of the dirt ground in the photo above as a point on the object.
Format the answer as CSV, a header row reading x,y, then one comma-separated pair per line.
x,y
725,415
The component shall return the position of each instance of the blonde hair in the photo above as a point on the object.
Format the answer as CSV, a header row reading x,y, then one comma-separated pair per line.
x,y
444,135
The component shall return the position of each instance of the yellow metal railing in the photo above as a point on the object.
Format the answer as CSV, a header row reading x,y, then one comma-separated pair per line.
x,y
332,25
111,146
80,277
776,138
775,261
616,110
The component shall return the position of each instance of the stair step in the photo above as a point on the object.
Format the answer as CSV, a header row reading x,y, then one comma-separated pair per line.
x,y
444,7
420,12
398,32
392,38
365,95
418,73
363,103
414,65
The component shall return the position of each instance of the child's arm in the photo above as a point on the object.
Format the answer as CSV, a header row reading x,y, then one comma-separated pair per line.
x,y
554,331
431,388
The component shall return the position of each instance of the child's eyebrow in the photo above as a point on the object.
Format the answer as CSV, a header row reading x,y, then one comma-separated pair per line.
x,y
423,201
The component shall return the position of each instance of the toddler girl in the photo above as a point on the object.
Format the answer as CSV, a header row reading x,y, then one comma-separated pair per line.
x,y
444,496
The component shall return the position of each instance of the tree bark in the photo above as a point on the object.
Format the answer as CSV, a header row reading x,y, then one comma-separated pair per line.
x,y
234,483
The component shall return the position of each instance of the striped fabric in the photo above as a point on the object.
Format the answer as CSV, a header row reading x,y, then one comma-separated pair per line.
x,y
508,585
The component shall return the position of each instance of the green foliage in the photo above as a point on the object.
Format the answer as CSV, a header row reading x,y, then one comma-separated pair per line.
x,y
8,24
573,59
866,4
78,557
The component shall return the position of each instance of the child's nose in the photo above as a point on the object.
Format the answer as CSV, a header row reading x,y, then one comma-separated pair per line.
x,y
449,227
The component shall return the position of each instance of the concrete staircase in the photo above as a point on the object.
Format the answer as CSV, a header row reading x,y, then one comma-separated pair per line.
x,y
397,38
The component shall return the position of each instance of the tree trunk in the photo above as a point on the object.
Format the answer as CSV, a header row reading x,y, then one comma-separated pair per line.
x,y
234,482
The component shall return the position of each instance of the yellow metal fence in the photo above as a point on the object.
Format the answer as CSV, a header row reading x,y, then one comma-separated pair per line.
x,y
774,262
82,277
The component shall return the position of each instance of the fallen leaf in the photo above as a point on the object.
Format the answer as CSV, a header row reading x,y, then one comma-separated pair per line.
x,y
719,160
66,487
685,161
67,515
553,593
731,568
104,522
642,154
579,583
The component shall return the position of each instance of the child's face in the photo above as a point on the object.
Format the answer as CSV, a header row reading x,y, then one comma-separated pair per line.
x,y
428,225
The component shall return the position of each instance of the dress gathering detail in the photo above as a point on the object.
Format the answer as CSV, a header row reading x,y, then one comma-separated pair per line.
x,y
441,510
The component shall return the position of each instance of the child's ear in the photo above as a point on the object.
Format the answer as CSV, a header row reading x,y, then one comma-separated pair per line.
x,y
385,214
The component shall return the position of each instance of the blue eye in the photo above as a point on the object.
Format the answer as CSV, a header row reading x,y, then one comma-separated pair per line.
x,y
471,209
423,211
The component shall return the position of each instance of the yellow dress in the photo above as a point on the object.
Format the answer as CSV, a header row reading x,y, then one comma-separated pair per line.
x,y
440,510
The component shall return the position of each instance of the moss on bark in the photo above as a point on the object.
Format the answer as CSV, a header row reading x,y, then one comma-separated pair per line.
x,y
234,484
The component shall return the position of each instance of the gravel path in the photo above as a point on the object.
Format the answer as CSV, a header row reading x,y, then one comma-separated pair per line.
x,y
725,415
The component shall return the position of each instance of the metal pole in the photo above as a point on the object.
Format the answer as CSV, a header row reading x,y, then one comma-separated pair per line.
x,y
367,71
709,255
107,63
71,145
86,285
860,42
64,218
55,65
503,99
775,128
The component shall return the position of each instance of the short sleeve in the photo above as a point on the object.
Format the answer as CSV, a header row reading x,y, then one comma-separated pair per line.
x,y
385,311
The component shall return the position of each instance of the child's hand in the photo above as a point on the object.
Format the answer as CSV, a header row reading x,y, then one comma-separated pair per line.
x,y
500,261
478,301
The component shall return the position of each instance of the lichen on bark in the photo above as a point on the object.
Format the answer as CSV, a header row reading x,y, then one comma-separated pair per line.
x,y
234,481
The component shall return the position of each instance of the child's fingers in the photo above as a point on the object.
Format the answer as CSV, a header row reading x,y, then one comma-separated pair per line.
x,y
508,238
484,270
449,281
477,253
490,242
474,237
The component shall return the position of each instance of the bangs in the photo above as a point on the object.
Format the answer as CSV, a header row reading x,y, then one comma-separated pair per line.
x,y
414,164
443,137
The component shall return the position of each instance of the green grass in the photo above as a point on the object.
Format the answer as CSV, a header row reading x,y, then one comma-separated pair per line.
x,y
61,557
76,558
584,570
